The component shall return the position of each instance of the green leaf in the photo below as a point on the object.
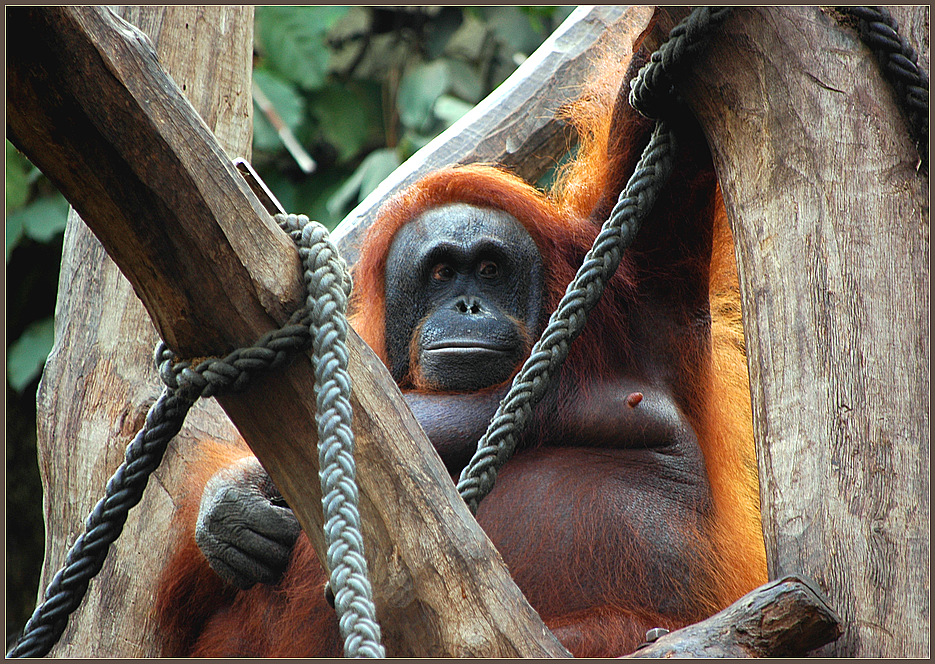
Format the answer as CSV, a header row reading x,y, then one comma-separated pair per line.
x,y
345,196
540,17
14,233
282,187
313,194
26,356
17,178
345,116
465,81
470,41
512,28
561,13
444,26
371,172
449,109
308,196
41,220
411,142
420,87
293,39
380,163
288,103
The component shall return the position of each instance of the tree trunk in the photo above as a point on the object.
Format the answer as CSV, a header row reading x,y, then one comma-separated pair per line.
x,y
114,619
99,380
831,224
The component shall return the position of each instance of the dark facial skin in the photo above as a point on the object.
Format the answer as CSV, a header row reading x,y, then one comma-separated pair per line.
x,y
463,293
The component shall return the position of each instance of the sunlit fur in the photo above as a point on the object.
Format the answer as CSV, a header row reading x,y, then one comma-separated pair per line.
x,y
198,615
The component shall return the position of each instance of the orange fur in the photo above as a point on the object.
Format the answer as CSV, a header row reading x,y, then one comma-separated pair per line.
x,y
726,556
190,593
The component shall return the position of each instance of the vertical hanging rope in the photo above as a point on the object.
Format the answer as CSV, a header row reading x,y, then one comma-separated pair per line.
x,y
328,278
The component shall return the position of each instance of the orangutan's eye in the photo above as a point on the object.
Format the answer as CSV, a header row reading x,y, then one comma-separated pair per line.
x,y
442,272
488,270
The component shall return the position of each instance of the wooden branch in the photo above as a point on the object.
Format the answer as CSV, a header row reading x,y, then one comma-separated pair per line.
x,y
87,97
784,618
516,126
99,380
831,224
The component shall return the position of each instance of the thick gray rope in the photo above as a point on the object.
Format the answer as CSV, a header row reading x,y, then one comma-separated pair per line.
x,y
327,286
353,597
652,94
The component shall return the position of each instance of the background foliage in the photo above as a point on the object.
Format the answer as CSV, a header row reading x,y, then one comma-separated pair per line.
x,y
361,88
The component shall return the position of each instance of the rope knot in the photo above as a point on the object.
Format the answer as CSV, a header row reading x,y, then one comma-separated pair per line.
x,y
320,325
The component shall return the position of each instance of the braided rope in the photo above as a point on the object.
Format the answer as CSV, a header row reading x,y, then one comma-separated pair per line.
x,y
652,93
320,324
345,553
86,556
899,65
566,322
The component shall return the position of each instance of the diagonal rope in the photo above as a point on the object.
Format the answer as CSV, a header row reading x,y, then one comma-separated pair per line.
x,y
565,324
86,556
652,94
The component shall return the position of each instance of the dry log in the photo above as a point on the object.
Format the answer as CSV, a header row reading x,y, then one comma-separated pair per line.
x,y
782,618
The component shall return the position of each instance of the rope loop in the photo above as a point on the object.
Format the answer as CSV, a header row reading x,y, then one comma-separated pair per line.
x,y
899,66
653,90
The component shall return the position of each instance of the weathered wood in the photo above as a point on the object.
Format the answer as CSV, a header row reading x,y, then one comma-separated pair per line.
x,y
782,618
443,578
831,225
516,126
99,379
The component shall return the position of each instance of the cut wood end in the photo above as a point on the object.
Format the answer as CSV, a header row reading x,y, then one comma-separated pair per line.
x,y
782,618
